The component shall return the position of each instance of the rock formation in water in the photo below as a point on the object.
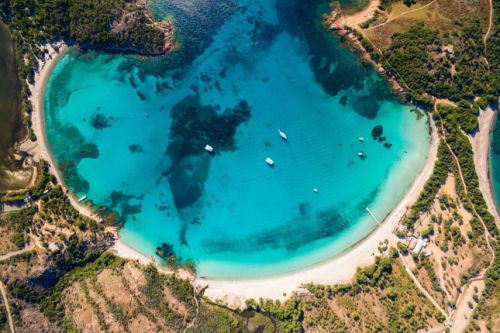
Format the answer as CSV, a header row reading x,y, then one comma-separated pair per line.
x,y
193,126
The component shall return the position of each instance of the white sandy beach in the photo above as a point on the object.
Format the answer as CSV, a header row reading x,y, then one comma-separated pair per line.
x,y
234,293
338,270
481,147
40,149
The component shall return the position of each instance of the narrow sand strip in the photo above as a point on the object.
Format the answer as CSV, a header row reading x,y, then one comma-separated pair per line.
x,y
46,66
481,147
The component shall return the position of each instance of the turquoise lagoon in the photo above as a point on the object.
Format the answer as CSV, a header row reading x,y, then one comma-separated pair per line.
x,y
129,133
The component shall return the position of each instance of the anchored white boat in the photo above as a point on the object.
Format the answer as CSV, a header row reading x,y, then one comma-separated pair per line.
x,y
315,190
283,135
269,161
209,148
361,154
82,198
361,139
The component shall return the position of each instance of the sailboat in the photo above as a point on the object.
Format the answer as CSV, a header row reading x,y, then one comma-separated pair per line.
x,y
283,135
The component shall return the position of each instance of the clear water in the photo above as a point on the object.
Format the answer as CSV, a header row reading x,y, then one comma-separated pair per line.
x,y
495,162
130,133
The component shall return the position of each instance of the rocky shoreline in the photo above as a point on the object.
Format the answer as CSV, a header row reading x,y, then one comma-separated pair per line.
x,y
336,22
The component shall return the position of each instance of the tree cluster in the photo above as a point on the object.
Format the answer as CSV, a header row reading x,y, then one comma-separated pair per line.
x,y
445,65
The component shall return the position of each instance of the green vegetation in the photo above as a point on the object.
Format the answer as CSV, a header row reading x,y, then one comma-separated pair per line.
x,y
445,65
289,313
493,50
460,145
427,265
489,304
21,222
44,182
103,25
156,299
3,318
53,306
149,300
214,319
90,23
431,188
384,286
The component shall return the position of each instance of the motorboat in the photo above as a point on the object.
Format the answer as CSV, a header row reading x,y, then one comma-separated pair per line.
x,y
209,148
269,161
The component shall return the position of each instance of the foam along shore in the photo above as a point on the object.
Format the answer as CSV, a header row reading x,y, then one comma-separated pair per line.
x,y
338,270
481,144
40,149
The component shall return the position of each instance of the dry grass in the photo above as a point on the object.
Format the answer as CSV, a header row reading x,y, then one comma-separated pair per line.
x,y
372,309
115,297
440,15
493,307
450,261
7,245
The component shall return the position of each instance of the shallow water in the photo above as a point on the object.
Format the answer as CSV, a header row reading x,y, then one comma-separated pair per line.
x,y
130,134
495,162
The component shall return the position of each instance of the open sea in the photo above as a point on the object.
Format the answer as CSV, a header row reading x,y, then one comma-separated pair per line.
x,y
130,133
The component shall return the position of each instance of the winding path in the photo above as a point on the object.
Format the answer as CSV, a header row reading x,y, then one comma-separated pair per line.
x,y
420,287
402,14
459,325
490,25
2,287
408,269
7,307
16,253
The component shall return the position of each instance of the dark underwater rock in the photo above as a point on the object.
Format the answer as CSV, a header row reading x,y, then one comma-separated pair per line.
x,y
99,121
193,126
377,132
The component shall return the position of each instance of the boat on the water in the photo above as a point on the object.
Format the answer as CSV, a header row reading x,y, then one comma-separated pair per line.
x,y
82,198
361,139
269,161
361,154
209,148
283,135
315,190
